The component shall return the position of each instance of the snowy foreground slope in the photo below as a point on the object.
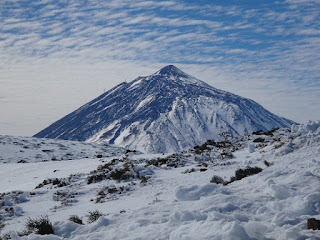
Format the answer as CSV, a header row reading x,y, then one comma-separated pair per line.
x,y
170,196
27,149
168,111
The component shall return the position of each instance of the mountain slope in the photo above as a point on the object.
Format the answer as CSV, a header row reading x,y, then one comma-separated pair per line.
x,y
31,150
170,196
164,112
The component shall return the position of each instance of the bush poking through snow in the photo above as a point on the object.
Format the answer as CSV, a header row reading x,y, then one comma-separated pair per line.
x,y
267,133
75,219
248,171
217,179
60,195
41,225
94,216
143,180
268,164
208,145
189,170
239,174
113,171
258,140
122,174
202,148
57,182
66,197
173,160
313,224
96,178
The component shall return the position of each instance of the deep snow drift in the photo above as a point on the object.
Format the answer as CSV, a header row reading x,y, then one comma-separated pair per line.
x,y
170,196
165,112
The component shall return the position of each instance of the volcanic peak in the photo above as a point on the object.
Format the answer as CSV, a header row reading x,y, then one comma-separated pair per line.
x,y
171,70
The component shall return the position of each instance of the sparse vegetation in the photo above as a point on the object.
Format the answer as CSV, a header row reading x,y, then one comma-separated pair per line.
x,y
221,150
108,171
95,177
22,161
173,160
268,164
217,179
76,219
60,195
55,182
41,226
143,180
101,195
239,174
267,133
258,140
112,190
210,144
189,170
130,151
200,149
108,192
123,173
65,197
248,171
94,216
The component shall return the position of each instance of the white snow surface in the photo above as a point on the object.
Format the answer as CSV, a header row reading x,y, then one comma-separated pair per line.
x,y
178,201
28,149
144,102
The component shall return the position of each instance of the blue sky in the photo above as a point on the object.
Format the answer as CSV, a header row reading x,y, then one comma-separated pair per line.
x,y
56,54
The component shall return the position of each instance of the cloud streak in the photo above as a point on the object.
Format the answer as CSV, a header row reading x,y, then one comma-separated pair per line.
x,y
271,43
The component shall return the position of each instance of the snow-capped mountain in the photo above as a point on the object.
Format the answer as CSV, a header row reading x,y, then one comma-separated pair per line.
x,y
165,112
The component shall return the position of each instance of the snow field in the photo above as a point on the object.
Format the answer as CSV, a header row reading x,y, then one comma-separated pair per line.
x,y
181,203
30,150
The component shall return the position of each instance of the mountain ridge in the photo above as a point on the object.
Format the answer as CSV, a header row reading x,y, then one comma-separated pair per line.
x,y
167,111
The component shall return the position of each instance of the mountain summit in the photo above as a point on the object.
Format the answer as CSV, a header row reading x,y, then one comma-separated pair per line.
x,y
171,70
165,112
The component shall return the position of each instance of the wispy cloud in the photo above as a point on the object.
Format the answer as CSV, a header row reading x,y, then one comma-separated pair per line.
x,y
271,47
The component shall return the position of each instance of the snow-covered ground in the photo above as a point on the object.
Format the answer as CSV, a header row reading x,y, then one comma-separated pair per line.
x,y
28,149
169,196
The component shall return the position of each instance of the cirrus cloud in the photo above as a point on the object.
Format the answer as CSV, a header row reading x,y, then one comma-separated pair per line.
x,y
267,51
